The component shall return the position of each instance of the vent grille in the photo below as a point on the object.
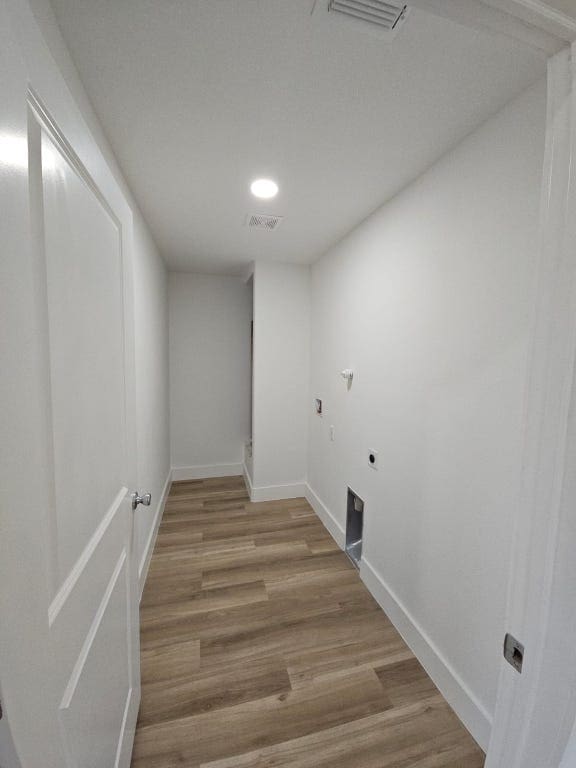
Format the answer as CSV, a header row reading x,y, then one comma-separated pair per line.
x,y
263,221
387,15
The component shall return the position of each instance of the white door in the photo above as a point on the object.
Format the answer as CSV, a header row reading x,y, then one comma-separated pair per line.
x,y
69,655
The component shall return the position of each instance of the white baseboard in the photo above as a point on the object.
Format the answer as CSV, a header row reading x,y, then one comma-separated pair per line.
x,y
149,548
209,470
463,702
277,492
457,694
330,522
247,479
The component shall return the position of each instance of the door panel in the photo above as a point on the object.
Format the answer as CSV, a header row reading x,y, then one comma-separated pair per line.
x,y
81,597
82,248
92,632
99,691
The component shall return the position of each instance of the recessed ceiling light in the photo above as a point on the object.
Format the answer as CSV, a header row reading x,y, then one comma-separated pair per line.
x,y
264,188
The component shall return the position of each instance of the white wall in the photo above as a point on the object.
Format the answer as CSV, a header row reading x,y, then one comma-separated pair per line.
x,y
210,320
281,378
151,308
430,301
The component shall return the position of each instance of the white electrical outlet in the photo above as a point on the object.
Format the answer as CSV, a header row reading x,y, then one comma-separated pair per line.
x,y
373,459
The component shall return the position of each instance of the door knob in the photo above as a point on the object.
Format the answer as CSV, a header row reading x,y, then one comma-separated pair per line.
x,y
145,499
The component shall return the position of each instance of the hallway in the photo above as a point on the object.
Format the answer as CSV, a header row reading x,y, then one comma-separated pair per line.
x,y
283,283
260,646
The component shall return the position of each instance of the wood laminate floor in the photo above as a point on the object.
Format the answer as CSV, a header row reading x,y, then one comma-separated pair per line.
x,y
261,647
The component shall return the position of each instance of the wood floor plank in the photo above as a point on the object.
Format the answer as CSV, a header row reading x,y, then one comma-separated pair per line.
x,y
419,736
327,583
207,554
187,533
171,587
202,602
252,525
261,647
283,629
236,625
207,690
406,682
266,721
273,563
374,648
169,663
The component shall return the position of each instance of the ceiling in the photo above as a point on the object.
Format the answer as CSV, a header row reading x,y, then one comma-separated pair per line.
x,y
198,97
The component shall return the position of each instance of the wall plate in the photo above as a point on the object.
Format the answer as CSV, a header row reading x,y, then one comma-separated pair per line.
x,y
513,652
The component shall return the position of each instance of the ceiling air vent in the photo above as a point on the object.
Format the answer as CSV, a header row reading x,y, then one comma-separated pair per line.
x,y
381,17
263,221
387,15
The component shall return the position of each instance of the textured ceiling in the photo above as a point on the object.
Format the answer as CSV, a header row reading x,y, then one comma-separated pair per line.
x,y
198,97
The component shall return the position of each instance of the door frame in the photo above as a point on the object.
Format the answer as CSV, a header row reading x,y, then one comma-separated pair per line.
x,y
536,710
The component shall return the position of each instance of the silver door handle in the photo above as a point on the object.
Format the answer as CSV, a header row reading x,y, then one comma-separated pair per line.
x,y
145,499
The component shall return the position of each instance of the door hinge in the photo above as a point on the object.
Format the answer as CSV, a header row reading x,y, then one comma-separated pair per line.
x,y
514,652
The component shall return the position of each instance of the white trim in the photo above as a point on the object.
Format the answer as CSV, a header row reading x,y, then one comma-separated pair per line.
x,y
247,479
451,686
541,15
277,492
124,747
200,472
248,272
535,711
330,523
502,17
149,548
